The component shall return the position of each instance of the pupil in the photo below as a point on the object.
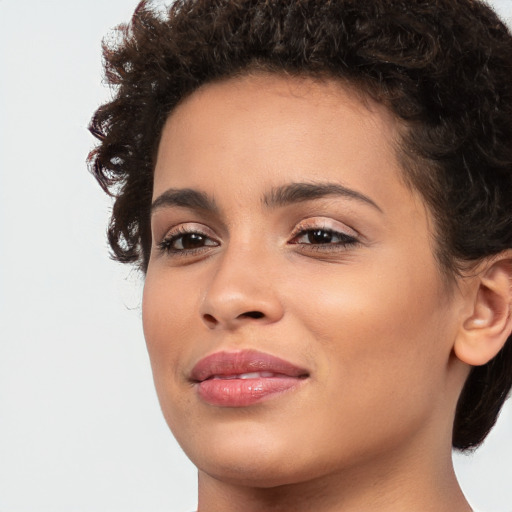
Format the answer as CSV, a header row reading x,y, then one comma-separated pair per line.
x,y
192,241
320,236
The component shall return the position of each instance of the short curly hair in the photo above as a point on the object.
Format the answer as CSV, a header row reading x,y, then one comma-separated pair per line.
x,y
444,67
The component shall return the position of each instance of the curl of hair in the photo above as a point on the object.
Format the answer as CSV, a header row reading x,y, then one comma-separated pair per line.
x,y
442,66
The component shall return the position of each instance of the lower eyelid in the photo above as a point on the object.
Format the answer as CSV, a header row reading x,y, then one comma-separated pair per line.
x,y
335,249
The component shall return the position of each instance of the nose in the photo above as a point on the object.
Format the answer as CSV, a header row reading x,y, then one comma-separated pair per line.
x,y
242,290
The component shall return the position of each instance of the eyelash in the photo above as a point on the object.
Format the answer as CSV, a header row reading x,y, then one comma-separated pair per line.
x,y
166,245
345,240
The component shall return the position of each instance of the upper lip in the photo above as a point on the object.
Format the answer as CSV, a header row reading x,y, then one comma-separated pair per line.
x,y
245,361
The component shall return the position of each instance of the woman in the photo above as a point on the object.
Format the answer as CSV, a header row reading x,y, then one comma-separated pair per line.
x,y
319,195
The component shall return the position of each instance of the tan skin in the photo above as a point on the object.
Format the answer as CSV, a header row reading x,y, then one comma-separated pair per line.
x,y
344,284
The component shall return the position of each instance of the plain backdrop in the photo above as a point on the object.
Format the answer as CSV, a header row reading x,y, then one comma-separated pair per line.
x,y
80,425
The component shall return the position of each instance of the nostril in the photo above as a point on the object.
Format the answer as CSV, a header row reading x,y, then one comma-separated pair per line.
x,y
212,321
252,314
209,319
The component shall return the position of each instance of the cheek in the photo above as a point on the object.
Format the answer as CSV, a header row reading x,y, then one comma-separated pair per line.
x,y
168,306
385,325
166,318
381,350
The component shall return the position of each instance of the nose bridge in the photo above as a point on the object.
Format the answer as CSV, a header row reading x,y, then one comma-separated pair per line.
x,y
241,289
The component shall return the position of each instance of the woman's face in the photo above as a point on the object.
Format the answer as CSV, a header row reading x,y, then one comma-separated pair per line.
x,y
288,252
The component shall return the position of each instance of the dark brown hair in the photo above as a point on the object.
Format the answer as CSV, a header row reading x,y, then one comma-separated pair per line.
x,y
444,67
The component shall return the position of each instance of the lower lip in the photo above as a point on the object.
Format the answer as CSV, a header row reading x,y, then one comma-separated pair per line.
x,y
244,392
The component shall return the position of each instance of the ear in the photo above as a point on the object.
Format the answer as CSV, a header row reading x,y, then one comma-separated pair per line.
x,y
488,324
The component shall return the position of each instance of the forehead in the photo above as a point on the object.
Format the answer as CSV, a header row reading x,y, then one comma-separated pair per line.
x,y
265,130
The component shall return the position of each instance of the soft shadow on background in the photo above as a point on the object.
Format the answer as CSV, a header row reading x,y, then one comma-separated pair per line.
x,y
80,426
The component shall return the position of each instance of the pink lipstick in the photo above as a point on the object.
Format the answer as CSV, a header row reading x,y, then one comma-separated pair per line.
x,y
239,379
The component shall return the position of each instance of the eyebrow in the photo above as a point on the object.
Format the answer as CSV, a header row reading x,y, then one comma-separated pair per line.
x,y
279,196
298,192
185,198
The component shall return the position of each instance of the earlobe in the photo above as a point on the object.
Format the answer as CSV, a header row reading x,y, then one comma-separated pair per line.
x,y
489,324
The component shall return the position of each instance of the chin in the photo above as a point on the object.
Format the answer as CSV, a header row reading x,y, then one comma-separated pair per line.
x,y
259,470
247,455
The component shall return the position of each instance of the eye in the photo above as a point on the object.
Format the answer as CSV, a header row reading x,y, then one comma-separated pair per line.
x,y
322,235
186,241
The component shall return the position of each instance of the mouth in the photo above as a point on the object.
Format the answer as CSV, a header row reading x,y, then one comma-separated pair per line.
x,y
246,376
240,379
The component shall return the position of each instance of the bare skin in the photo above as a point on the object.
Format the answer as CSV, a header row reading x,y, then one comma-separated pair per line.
x,y
344,284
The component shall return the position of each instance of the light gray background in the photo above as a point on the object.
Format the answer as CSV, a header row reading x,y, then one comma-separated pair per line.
x,y
80,426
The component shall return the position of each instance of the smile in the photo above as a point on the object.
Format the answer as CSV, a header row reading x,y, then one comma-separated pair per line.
x,y
240,379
